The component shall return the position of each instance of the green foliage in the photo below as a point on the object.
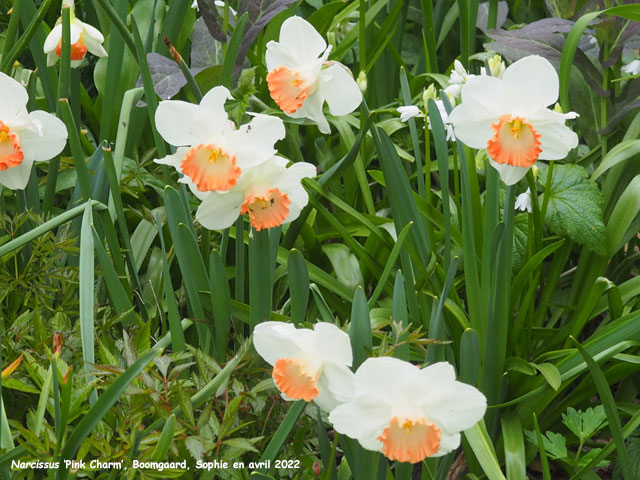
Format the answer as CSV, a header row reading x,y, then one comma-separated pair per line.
x,y
575,206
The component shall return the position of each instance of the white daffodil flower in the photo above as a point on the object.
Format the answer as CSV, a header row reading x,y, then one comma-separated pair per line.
x,y
509,117
408,413
24,137
300,79
409,111
213,152
632,68
84,38
307,364
523,202
270,193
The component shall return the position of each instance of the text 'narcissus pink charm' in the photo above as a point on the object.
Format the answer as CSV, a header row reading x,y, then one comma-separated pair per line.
x,y
307,364
408,413
25,137
300,78
509,118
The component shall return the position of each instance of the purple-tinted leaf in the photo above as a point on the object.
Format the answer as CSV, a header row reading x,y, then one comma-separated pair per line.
x,y
544,38
205,50
212,19
166,75
260,13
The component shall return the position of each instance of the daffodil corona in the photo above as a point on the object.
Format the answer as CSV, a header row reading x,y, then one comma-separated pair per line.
x,y
414,414
300,78
509,117
25,137
307,364
212,153
270,193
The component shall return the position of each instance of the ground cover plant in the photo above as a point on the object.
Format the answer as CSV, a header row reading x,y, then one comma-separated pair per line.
x,y
366,239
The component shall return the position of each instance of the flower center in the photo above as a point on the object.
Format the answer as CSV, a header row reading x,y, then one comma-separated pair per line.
x,y
410,441
268,210
210,168
11,154
288,89
515,142
292,380
78,49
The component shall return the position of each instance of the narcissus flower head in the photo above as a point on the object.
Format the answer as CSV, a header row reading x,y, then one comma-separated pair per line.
x,y
408,413
300,79
213,152
24,137
509,117
84,38
270,193
307,364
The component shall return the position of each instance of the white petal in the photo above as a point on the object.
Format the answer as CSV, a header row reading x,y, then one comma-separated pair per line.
x,y
16,178
47,140
509,175
177,122
448,443
339,89
274,340
214,100
556,139
332,343
486,97
94,46
397,376
13,98
52,58
253,143
533,83
312,109
454,406
173,159
363,419
76,30
279,55
53,39
219,210
473,131
335,385
93,32
305,44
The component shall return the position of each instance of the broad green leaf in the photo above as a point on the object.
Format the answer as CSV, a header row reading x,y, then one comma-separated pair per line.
x,y
575,207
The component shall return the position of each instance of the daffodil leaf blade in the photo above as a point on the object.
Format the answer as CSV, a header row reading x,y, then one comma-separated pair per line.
x,y
575,207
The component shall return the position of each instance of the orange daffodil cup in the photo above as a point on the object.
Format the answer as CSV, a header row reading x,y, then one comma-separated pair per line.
x,y
84,38
270,193
309,365
509,117
300,78
25,137
388,405
408,413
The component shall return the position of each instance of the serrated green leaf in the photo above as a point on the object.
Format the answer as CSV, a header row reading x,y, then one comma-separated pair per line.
x,y
575,207
195,447
583,424
555,445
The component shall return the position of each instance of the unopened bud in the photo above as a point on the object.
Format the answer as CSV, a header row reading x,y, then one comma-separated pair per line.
x,y
535,170
57,343
317,470
496,65
362,81
429,93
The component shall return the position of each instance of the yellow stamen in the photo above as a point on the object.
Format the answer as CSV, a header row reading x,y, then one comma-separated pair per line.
x,y
515,142
268,210
11,154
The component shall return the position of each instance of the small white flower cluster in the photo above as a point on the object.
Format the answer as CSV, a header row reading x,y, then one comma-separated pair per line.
x,y
388,405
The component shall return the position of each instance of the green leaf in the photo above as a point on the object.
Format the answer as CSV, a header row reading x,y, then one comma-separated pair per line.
x,y
555,445
575,207
583,424
345,264
550,374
